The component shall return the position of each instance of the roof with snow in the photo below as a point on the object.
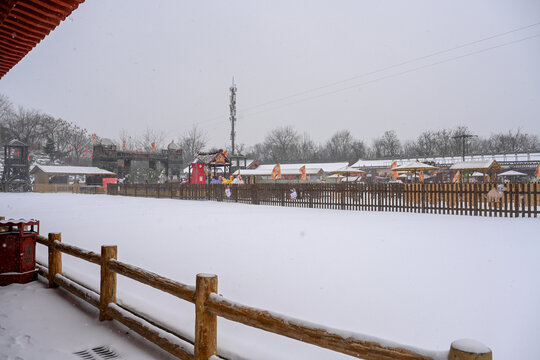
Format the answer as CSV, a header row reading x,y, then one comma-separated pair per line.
x,y
414,166
483,165
24,23
70,170
326,167
511,173
16,142
447,160
268,172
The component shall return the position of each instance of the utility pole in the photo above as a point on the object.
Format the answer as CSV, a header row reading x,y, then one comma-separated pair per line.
x,y
463,143
232,108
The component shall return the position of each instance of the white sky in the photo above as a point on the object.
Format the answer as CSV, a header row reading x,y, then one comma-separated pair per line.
x,y
167,65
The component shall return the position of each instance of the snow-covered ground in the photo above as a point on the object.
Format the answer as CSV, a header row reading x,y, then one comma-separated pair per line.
x,y
418,279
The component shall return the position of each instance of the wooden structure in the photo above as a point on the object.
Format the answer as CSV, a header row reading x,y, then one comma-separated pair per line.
x,y
208,306
24,23
468,168
520,200
16,177
121,162
215,163
48,174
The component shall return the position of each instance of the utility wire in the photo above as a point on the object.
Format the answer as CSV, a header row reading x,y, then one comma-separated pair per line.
x,y
392,66
396,74
221,117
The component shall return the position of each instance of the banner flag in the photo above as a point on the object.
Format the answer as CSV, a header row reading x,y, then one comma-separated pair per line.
x,y
276,172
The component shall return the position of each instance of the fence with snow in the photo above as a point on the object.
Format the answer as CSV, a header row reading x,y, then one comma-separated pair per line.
x,y
460,199
209,305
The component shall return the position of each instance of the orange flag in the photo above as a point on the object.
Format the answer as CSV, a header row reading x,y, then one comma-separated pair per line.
x,y
276,172
457,177
394,173
421,176
153,147
537,172
303,173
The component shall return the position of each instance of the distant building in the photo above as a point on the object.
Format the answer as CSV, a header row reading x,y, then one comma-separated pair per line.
x,y
122,162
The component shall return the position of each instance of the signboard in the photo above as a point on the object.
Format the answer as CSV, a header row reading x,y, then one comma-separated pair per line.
x,y
106,181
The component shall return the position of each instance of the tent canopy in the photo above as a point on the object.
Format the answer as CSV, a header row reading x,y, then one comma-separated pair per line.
x,y
512,173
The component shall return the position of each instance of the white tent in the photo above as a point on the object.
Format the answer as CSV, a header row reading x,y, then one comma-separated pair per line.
x,y
512,173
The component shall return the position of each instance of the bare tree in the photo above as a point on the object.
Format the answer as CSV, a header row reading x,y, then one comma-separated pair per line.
x,y
125,138
513,142
26,126
281,145
149,137
342,146
387,145
308,150
192,142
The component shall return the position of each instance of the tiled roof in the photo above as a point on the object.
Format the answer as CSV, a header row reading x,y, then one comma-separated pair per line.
x,y
24,23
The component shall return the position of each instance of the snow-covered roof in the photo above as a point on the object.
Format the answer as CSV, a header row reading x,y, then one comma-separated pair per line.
x,y
448,160
348,169
326,167
71,170
16,142
414,166
476,165
268,172
234,162
512,173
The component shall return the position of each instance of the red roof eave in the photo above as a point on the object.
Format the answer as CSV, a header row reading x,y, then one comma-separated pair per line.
x,y
24,23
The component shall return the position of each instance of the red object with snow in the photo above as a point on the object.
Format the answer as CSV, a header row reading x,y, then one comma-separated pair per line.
x,y
18,251
198,176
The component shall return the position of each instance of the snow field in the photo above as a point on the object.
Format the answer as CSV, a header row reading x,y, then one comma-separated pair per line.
x,y
418,279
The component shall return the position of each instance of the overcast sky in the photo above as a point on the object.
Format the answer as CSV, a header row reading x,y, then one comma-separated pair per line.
x,y
167,65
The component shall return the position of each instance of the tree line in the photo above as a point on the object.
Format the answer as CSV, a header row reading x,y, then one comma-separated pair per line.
x,y
70,144
59,139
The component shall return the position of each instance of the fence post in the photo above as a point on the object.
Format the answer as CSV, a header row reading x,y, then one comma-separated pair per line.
x,y
205,322
107,293
466,349
55,259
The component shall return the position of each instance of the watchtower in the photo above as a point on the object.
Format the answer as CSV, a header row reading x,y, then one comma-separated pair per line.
x,y
16,175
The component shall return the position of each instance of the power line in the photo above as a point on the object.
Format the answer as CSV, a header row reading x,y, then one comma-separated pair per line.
x,y
396,74
392,66
221,117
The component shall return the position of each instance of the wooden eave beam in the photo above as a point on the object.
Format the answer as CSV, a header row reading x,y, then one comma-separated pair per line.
x,y
35,16
32,5
17,37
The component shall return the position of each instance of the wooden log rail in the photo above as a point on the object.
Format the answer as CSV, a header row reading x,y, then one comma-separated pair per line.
x,y
519,200
209,305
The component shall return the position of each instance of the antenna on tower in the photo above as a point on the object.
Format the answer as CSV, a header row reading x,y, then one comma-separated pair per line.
x,y
232,108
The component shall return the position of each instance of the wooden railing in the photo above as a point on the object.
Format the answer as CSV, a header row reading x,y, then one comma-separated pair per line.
x,y
459,199
208,306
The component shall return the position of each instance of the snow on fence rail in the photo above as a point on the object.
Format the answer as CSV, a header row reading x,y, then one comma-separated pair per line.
x,y
209,305
459,199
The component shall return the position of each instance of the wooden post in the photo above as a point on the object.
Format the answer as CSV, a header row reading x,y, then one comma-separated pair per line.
x,y
55,259
107,293
466,349
205,322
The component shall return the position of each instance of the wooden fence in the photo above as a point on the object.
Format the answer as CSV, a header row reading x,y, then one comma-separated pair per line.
x,y
208,306
519,200
70,188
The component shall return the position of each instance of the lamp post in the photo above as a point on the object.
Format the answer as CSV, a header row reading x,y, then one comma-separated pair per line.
x,y
463,142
